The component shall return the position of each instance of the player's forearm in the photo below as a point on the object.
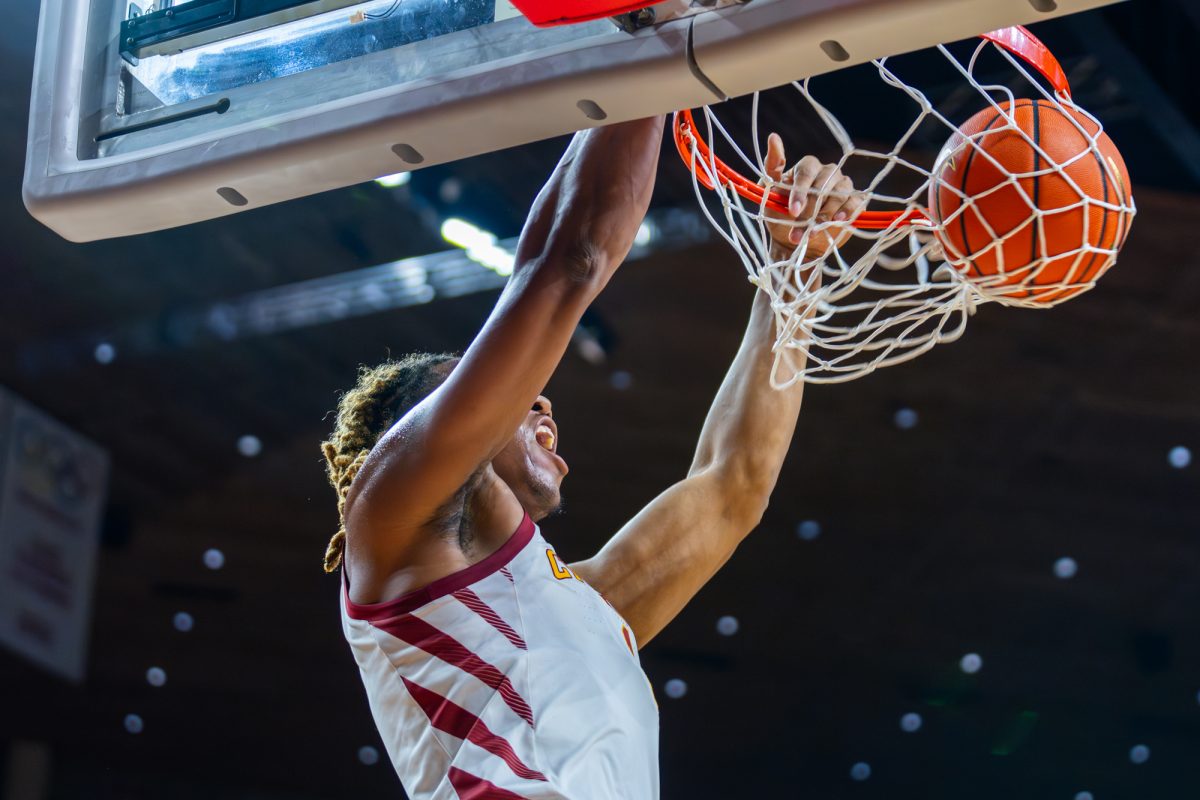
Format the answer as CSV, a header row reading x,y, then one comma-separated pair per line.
x,y
750,425
585,218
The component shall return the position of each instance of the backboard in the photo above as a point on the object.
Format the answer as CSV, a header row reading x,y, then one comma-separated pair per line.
x,y
144,118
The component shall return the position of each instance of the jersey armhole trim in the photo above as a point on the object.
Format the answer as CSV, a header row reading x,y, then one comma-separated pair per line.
x,y
413,600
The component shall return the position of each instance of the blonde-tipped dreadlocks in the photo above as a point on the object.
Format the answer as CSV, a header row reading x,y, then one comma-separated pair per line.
x,y
383,394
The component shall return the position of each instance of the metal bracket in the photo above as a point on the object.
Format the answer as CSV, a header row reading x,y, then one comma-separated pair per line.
x,y
667,10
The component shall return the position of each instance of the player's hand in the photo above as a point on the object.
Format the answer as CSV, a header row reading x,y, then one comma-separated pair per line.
x,y
806,181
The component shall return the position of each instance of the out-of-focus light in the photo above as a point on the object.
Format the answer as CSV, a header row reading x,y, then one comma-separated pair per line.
x,y
971,663
450,190
808,530
214,558
860,771
104,353
1083,796
183,622
368,755
392,181
588,346
905,419
249,446
675,688
1139,754
590,350
480,245
1065,568
646,234
134,724
156,676
1179,457
621,380
222,320
727,626
911,722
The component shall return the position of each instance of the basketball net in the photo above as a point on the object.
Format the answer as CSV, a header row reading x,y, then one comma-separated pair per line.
x,y
891,291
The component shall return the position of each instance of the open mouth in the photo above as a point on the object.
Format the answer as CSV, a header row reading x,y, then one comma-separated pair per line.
x,y
546,436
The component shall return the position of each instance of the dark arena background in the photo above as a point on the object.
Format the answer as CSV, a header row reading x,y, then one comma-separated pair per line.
x,y
979,576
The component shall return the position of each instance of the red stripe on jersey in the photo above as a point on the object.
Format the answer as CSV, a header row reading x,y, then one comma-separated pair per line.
x,y
504,571
443,586
448,716
472,787
474,602
421,634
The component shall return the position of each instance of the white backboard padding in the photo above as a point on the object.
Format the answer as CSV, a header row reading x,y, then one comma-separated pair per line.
x,y
765,44
506,83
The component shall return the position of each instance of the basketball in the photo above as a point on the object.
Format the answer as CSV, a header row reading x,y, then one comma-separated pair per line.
x,y
1049,218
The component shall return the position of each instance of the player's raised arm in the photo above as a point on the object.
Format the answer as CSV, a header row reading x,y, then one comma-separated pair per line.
x,y
662,557
578,232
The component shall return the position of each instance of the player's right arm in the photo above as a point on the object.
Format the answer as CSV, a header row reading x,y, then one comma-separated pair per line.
x,y
578,232
658,561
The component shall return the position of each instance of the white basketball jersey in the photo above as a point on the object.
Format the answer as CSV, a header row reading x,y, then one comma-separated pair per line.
x,y
510,679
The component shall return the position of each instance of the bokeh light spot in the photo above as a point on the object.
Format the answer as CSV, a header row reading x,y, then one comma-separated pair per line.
x,y
905,419
1179,457
971,663
214,558
1065,568
249,446
808,530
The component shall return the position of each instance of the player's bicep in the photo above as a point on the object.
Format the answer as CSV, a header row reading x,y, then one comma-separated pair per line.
x,y
658,561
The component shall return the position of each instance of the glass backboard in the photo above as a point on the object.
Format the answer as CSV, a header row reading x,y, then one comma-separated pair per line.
x,y
146,117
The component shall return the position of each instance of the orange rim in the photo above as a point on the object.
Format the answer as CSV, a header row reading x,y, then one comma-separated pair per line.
x,y
1016,40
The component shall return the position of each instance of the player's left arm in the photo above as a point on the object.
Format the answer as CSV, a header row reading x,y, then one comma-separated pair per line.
x,y
659,560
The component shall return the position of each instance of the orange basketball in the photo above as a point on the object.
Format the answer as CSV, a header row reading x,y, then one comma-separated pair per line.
x,y
983,196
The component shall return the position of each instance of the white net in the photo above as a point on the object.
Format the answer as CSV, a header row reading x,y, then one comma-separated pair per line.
x,y
1029,206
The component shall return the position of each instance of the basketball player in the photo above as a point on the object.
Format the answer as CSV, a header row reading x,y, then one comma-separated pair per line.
x,y
494,670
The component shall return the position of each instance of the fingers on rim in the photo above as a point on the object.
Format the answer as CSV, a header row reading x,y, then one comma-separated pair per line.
x,y
776,159
855,205
806,171
839,197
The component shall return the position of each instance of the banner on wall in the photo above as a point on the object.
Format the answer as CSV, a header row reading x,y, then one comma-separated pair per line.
x,y
53,484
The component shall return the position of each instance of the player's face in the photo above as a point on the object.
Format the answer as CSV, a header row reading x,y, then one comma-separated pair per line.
x,y
530,463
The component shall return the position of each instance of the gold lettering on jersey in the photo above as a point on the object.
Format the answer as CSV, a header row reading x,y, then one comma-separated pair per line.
x,y
560,572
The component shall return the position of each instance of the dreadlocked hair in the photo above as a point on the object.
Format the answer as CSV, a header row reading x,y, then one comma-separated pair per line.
x,y
383,394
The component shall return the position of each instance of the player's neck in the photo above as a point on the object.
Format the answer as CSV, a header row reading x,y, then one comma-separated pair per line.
x,y
493,514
